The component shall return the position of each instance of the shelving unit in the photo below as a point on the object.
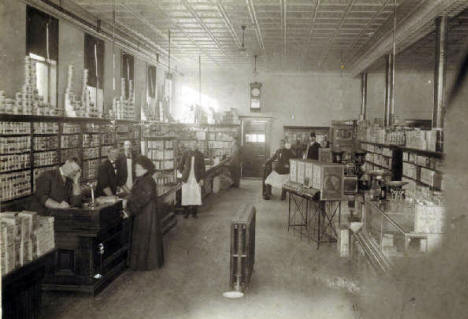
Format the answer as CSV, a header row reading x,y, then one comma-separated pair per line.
x,y
32,144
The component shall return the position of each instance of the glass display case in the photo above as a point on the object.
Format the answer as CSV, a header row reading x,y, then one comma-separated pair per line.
x,y
390,226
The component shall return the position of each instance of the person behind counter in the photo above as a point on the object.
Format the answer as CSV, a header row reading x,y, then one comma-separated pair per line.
x,y
109,175
126,165
235,163
312,151
58,188
193,172
147,242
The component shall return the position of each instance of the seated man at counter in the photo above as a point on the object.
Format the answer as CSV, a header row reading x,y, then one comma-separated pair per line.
x,y
109,175
280,172
58,188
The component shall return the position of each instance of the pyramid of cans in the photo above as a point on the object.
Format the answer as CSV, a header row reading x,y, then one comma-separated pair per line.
x,y
28,101
124,109
25,236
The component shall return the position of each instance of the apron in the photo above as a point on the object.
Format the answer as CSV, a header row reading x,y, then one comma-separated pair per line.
x,y
276,180
191,191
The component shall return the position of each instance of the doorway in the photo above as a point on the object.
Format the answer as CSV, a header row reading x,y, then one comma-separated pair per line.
x,y
255,141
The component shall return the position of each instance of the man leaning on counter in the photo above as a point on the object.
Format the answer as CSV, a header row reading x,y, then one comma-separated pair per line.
x,y
59,188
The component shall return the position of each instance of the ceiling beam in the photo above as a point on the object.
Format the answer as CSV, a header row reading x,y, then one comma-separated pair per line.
x,y
284,9
253,18
337,30
416,26
194,14
312,27
228,22
181,30
377,13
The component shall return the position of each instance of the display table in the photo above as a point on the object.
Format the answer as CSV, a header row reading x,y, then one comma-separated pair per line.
x,y
21,289
92,248
314,217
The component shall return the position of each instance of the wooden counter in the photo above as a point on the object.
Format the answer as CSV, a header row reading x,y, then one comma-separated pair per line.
x,y
21,289
92,248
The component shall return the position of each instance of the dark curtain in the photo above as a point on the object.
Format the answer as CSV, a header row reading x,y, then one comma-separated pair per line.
x,y
151,81
90,43
127,71
37,24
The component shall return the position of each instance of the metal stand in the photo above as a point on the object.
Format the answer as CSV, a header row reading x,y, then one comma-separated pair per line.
x,y
300,209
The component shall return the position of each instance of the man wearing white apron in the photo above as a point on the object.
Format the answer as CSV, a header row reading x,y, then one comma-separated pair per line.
x,y
192,181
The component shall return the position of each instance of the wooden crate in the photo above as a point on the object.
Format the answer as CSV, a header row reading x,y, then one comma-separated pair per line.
x,y
326,177
242,257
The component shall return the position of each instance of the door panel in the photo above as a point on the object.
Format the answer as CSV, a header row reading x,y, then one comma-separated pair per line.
x,y
255,140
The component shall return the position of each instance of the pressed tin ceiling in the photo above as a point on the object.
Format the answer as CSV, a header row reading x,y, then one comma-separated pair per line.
x,y
310,35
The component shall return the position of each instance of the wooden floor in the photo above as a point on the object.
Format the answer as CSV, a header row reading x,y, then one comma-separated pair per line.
x,y
291,280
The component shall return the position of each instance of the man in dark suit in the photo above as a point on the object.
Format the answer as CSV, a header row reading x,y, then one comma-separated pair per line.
x,y
313,148
58,188
109,175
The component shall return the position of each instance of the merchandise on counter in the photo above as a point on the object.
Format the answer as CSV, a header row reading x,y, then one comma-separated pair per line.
x,y
14,185
25,237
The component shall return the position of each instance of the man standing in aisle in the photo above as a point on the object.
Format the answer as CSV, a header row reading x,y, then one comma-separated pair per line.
x,y
126,166
109,175
312,151
235,164
192,181
58,188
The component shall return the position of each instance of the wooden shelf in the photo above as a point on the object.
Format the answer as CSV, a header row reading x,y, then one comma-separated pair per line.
x,y
420,182
378,165
439,155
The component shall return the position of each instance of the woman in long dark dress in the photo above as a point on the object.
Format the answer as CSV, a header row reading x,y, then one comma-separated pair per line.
x,y
147,245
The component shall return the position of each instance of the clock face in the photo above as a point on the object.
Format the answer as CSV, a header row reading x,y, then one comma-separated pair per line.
x,y
255,92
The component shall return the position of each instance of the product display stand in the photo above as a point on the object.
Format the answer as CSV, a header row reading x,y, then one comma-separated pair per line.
x,y
313,216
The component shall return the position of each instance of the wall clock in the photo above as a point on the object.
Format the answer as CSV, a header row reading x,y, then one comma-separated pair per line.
x,y
255,96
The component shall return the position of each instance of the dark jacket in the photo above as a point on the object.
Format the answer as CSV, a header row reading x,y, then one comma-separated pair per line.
x,y
282,156
50,184
122,168
147,243
107,177
313,151
199,166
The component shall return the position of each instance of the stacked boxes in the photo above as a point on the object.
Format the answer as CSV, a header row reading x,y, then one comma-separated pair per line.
x,y
326,177
25,236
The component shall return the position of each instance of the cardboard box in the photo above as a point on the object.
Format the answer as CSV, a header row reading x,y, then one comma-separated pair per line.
x,y
300,171
293,170
343,242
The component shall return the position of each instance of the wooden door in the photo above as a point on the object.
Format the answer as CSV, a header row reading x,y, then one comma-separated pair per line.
x,y
255,137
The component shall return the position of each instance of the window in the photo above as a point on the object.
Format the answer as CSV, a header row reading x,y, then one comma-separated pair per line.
x,y
127,74
151,94
94,63
42,48
255,138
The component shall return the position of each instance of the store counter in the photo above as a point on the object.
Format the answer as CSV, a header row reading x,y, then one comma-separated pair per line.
x,y
211,171
390,233
92,247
